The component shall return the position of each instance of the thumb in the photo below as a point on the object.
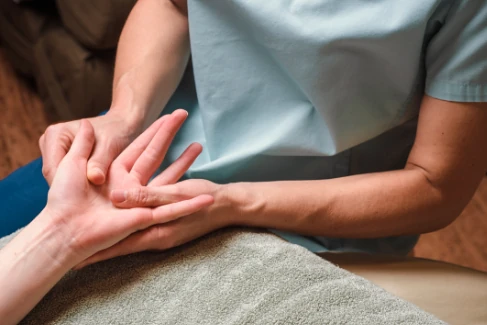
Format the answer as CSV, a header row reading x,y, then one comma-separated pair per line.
x,y
103,155
144,196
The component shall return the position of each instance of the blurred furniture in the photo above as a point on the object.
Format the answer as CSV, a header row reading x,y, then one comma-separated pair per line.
x,y
67,47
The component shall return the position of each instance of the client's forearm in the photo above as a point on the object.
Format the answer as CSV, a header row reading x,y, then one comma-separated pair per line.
x,y
31,264
370,205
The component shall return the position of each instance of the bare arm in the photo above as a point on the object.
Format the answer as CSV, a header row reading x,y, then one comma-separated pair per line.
x,y
445,166
64,234
152,54
32,263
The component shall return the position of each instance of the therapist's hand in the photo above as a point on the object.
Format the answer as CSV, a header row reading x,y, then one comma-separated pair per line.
x,y
83,213
112,134
175,233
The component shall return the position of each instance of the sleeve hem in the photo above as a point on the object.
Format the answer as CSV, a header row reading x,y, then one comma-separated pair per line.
x,y
456,91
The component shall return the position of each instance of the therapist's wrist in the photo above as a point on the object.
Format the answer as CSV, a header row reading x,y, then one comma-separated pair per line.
x,y
132,118
245,206
124,103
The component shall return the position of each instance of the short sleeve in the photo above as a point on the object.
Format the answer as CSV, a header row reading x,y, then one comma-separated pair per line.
x,y
456,57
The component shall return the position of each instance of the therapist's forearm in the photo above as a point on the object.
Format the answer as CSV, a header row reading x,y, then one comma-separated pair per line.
x,y
31,264
152,55
363,206
444,168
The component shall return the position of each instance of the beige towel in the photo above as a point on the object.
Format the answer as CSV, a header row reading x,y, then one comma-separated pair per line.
x,y
229,277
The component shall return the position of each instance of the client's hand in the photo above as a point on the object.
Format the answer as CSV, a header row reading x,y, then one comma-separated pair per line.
x,y
84,214
167,235
79,219
136,164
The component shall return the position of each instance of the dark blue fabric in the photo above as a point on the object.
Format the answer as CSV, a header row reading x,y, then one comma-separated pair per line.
x,y
23,194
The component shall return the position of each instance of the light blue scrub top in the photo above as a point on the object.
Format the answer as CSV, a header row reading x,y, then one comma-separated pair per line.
x,y
317,89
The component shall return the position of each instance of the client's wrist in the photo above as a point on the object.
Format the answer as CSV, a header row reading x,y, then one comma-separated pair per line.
x,y
53,237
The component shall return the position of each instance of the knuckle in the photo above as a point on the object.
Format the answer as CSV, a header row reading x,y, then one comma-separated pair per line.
x,y
142,221
161,238
46,171
140,195
94,163
53,129
50,129
90,133
155,234
113,145
154,238
176,190
151,153
57,133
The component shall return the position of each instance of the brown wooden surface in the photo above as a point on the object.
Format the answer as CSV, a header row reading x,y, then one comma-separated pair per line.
x,y
22,121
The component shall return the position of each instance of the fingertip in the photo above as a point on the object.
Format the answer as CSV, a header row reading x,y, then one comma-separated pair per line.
x,y
182,112
118,196
207,199
197,147
96,175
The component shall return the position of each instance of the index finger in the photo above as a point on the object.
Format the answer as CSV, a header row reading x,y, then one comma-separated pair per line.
x,y
83,142
54,148
150,159
129,156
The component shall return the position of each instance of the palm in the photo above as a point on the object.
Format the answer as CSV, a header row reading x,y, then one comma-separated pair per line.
x,y
119,178
73,195
102,218
71,189
92,222
167,235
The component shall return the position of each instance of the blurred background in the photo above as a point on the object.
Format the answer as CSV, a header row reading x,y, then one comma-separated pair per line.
x,y
56,63
66,48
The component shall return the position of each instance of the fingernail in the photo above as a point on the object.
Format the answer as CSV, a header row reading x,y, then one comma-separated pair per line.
x,y
96,175
182,110
118,196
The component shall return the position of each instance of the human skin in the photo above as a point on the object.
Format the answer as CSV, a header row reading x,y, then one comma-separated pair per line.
x,y
445,166
79,219
152,54
443,170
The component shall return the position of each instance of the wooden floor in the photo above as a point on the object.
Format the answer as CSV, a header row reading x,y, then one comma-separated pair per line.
x,y
22,121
